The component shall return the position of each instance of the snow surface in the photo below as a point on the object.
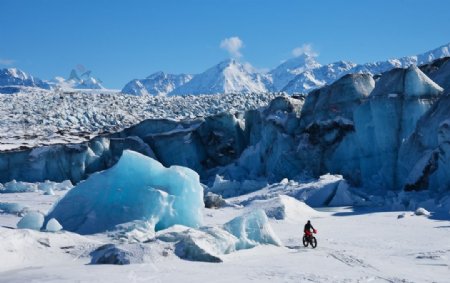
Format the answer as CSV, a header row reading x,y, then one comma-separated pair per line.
x,y
354,245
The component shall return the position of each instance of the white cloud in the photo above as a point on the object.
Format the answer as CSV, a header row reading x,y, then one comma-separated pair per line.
x,y
6,62
305,49
232,45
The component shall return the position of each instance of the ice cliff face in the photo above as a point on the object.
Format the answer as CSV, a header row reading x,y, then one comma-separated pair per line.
x,y
424,159
388,118
12,79
158,83
391,132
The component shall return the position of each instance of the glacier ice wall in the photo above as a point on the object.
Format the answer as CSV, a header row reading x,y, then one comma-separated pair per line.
x,y
387,131
387,119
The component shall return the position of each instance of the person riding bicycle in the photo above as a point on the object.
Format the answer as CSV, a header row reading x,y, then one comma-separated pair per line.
x,y
308,228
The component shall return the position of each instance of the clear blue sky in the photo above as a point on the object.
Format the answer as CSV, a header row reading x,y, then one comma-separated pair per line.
x,y
122,40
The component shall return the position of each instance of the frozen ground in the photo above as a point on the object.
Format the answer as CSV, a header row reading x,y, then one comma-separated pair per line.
x,y
361,246
41,117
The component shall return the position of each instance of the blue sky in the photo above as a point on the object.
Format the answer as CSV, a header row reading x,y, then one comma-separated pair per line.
x,y
122,40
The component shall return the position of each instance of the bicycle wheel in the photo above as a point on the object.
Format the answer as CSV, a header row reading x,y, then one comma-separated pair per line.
x,y
313,242
305,241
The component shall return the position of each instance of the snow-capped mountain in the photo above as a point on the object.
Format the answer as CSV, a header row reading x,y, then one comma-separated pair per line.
x,y
229,76
12,78
300,74
320,76
85,80
159,83
287,70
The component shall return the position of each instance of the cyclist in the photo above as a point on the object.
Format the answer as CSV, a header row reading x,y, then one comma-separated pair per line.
x,y
308,228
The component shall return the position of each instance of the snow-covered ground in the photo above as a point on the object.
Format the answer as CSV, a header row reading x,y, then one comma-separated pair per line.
x,y
364,245
43,117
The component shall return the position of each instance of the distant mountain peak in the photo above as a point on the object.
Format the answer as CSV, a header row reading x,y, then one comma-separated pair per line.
x,y
287,70
77,80
228,76
12,79
158,83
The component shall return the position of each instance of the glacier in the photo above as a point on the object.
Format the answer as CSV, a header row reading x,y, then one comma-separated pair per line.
x,y
136,188
379,132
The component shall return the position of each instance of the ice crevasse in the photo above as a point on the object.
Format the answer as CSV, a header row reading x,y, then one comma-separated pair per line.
x,y
136,188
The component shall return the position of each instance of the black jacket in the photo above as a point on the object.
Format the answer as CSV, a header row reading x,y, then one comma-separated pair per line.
x,y
308,227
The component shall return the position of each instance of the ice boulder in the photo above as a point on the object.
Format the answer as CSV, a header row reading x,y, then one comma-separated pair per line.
x,y
342,196
252,229
208,244
422,212
18,187
214,200
12,208
110,254
53,226
205,244
136,188
323,195
33,220
285,207
49,187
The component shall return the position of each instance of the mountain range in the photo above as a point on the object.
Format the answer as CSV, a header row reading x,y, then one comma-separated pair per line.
x,y
12,80
300,74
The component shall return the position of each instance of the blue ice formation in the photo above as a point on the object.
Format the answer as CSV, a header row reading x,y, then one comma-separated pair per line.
x,y
252,229
12,207
136,188
209,243
32,220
